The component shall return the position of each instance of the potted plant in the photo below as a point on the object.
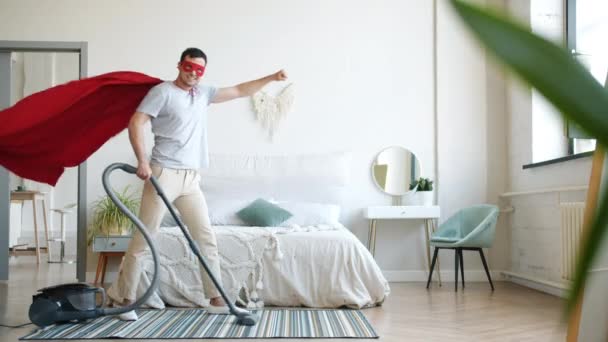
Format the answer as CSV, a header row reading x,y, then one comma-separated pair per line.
x,y
423,188
107,217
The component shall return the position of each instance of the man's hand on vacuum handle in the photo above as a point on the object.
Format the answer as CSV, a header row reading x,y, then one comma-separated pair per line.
x,y
143,170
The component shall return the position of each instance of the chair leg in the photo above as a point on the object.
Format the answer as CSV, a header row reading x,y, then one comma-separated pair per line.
x,y
36,232
103,269
428,282
456,269
99,266
461,266
485,266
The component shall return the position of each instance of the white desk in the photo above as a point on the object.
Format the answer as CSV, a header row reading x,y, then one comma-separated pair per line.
x,y
405,212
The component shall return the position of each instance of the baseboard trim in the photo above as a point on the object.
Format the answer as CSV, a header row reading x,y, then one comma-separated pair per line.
x,y
552,288
471,275
391,276
546,286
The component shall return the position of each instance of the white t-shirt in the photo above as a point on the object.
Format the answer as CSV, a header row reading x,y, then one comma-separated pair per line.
x,y
179,124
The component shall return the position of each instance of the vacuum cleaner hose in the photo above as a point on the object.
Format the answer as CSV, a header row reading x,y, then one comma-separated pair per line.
x,y
140,226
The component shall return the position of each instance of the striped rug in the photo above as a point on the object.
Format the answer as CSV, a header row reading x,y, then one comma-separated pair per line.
x,y
197,323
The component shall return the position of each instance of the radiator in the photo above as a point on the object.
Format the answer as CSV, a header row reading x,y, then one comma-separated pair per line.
x,y
572,227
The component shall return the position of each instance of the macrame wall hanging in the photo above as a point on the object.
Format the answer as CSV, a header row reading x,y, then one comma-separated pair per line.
x,y
270,110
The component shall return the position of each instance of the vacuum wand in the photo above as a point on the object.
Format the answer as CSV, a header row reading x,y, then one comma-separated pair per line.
x,y
244,317
142,229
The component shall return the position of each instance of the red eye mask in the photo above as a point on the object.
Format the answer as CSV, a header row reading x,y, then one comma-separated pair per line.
x,y
186,66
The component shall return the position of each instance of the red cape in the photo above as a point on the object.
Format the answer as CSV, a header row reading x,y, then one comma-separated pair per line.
x,y
62,126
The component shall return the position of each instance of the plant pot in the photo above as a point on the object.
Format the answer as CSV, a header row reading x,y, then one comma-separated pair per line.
x,y
409,198
424,198
117,231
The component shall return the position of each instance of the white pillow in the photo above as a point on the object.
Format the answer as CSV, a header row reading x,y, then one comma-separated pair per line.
x,y
168,220
310,213
222,212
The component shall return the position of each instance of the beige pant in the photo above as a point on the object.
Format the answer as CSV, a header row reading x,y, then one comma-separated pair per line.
x,y
182,188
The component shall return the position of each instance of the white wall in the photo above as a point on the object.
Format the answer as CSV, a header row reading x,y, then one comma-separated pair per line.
x,y
497,169
17,79
363,75
471,131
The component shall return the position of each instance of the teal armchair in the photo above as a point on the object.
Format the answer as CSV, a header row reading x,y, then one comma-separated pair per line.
x,y
470,229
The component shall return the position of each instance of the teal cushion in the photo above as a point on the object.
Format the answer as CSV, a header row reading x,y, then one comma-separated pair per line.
x,y
447,236
261,213
444,239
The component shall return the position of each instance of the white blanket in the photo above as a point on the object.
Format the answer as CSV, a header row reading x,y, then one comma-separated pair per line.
x,y
317,266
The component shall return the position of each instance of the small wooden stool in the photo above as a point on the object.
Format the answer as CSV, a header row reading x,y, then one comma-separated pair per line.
x,y
102,262
34,196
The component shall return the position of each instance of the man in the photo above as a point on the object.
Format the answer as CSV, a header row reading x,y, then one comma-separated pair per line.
x,y
178,114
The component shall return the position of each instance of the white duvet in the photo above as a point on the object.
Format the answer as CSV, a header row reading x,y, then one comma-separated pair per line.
x,y
316,266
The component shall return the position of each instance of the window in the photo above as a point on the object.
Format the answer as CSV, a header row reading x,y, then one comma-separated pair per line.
x,y
586,35
549,139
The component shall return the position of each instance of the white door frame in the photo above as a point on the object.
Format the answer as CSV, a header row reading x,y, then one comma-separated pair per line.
x,y
6,47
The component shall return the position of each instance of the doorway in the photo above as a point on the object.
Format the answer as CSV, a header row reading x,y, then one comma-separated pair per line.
x,y
60,53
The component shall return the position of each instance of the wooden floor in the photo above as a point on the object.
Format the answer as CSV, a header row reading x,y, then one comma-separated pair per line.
x,y
411,313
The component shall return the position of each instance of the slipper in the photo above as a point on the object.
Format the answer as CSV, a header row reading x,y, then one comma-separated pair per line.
x,y
126,316
218,310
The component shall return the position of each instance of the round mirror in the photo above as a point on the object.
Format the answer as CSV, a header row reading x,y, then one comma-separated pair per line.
x,y
394,169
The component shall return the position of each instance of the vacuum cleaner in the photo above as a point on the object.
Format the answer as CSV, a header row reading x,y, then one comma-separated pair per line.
x,y
77,302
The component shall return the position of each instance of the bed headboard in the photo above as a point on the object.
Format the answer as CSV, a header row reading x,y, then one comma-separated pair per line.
x,y
315,177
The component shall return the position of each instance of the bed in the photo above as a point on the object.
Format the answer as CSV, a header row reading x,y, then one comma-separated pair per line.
x,y
309,260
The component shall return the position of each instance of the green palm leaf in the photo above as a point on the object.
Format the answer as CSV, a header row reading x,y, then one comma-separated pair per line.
x,y
564,82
